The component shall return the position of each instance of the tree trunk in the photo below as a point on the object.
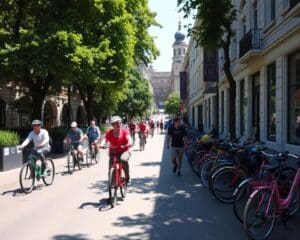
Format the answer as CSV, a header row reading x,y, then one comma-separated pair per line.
x,y
37,102
232,88
87,98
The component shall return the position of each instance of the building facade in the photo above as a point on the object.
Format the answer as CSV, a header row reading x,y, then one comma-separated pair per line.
x,y
265,62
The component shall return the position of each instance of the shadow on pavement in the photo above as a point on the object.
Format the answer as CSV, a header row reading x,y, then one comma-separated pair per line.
x,y
184,209
150,164
71,237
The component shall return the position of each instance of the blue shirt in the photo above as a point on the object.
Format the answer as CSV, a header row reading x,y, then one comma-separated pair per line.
x,y
75,136
93,133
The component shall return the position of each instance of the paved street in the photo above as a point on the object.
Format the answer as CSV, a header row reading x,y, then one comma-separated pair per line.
x,y
159,205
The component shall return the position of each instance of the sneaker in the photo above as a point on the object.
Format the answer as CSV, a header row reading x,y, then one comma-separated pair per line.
x,y
179,173
174,168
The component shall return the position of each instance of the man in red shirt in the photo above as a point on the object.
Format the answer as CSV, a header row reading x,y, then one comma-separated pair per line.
x,y
119,141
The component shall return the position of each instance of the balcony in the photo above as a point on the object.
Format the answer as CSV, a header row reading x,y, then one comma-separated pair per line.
x,y
250,45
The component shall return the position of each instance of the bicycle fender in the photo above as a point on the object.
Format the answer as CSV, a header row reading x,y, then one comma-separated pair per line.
x,y
242,184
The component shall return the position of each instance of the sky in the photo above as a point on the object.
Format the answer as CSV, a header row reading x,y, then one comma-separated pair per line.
x,y
168,17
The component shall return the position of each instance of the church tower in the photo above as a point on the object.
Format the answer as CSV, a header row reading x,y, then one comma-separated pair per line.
x,y
179,50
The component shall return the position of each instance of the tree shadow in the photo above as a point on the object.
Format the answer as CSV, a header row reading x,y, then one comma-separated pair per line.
x,y
71,237
151,164
18,191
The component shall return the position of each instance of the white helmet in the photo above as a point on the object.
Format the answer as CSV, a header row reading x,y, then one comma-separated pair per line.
x,y
36,122
74,124
115,119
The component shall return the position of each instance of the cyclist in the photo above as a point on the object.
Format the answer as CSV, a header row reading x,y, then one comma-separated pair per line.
x,y
75,135
119,141
132,129
143,130
93,134
41,141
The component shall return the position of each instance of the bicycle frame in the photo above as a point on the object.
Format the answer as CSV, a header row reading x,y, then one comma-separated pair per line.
x,y
281,203
37,169
118,167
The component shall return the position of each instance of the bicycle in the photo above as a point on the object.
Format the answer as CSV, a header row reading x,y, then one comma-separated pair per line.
x,y
264,177
116,177
266,204
35,169
73,158
91,155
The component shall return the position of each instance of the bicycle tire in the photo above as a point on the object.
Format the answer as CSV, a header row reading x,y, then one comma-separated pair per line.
x,y
30,174
50,169
70,162
123,188
112,187
222,194
88,157
240,199
204,171
255,211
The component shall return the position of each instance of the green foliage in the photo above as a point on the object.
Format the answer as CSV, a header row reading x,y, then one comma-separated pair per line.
x,y
138,96
57,133
172,104
8,138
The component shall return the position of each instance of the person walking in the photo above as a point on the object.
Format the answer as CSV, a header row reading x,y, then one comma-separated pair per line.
x,y
175,137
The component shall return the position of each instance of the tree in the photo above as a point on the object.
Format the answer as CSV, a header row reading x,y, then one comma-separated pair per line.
x,y
172,104
215,31
138,96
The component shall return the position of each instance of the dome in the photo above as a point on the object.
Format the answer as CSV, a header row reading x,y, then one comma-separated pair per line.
x,y
179,37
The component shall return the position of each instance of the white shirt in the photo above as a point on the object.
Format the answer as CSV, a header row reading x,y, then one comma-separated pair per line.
x,y
41,139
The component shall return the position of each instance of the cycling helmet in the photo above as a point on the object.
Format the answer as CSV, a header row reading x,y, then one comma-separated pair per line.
x,y
36,122
115,119
205,138
74,124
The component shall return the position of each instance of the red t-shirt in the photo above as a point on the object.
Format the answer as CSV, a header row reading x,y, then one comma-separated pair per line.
x,y
121,140
143,127
132,126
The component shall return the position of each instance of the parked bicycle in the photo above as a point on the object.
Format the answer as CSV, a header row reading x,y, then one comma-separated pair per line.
x,y
36,169
266,204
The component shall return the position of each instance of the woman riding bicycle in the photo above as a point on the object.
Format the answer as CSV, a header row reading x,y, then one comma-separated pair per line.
x,y
119,142
40,138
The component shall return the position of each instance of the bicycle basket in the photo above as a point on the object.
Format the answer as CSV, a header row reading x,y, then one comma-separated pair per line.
x,y
125,156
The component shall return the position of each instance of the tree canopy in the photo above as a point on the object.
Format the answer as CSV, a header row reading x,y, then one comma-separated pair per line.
x,y
93,45
172,104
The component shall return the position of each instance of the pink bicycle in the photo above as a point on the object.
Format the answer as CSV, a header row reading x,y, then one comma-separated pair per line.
x,y
266,204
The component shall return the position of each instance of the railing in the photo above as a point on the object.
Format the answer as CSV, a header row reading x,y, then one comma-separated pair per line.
x,y
250,41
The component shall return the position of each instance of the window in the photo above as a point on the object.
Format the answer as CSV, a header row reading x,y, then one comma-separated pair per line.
x,y
222,111
294,99
243,106
179,51
244,26
255,16
271,101
273,9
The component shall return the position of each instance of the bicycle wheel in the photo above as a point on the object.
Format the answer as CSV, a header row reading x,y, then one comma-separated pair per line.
x,y
259,214
27,178
123,187
97,157
204,171
89,157
241,196
71,163
224,181
49,172
112,187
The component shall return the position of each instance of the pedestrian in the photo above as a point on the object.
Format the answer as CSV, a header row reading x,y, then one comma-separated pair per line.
x,y
176,135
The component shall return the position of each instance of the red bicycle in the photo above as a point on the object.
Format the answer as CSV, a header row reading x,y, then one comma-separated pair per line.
x,y
116,177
